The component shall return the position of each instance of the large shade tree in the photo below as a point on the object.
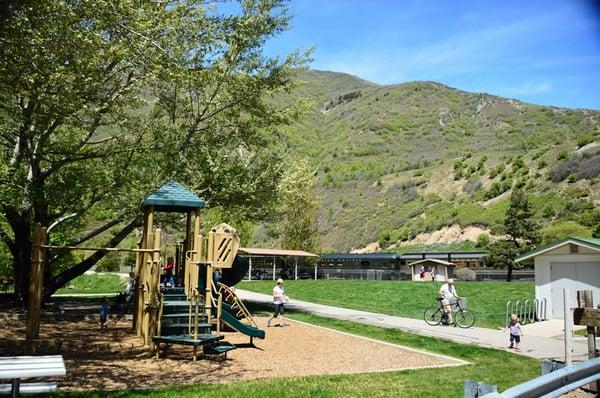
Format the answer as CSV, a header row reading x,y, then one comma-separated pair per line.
x,y
101,101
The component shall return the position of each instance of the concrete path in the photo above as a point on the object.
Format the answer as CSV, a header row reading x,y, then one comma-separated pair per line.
x,y
535,344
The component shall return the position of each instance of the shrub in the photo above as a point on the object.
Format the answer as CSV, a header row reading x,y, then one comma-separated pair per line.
x,y
472,186
572,179
564,229
583,140
562,155
465,274
483,240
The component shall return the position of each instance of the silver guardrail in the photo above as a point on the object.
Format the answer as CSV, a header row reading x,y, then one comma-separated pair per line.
x,y
554,384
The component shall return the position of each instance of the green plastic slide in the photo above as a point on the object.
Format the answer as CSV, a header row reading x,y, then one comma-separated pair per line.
x,y
241,327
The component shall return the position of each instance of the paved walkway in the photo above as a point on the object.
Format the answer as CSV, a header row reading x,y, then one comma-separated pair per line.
x,y
536,344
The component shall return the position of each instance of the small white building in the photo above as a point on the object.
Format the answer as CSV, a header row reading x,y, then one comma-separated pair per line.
x,y
572,263
443,269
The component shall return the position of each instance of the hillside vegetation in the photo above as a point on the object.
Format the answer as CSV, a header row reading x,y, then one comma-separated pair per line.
x,y
398,160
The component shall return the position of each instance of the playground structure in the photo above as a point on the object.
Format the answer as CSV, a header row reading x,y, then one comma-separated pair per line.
x,y
185,315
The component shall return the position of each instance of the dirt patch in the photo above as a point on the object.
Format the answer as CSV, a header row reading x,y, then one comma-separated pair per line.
x,y
116,359
452,234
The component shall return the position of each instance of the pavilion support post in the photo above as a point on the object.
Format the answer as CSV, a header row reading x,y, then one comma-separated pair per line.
x,y
316,265
295,268
250,268
273,267
36,283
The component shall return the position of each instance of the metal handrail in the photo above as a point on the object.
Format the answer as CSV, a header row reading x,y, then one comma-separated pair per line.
x,y
160,313
555,384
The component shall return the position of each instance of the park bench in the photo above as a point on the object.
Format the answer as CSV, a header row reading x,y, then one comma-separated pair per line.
x,y
24,367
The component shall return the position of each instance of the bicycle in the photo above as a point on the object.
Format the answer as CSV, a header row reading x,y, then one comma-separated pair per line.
x,y
462,317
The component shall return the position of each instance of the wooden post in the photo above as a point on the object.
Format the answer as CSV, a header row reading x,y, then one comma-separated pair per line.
x,y
274,270
154,290
296,268
36,284
142,272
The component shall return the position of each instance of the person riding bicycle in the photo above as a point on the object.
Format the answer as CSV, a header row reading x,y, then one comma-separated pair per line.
x,y
448,297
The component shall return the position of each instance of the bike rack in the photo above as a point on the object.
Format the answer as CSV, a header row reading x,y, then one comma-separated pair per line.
x,y
528,310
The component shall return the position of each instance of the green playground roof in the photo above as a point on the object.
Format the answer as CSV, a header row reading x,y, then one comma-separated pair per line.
x,y
586,242
174,197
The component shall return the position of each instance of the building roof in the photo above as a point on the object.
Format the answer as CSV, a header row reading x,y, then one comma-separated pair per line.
x,y
449,255
360,256
433,260
174,197
255,251
590,243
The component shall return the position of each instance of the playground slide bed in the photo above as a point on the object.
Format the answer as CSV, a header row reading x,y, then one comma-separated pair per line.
x,y
116,359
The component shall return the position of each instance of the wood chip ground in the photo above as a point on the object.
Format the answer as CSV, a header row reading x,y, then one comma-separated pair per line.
x,y
116,359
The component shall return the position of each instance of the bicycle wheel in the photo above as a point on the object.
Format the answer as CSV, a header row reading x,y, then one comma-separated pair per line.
x,y
464,318
433,316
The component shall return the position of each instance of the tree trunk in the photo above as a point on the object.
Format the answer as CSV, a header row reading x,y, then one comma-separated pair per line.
x,y
21,226
73,272
509,273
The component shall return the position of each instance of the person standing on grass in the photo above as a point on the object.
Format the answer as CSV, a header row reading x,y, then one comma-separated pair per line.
x,y
279,299
104,314
516,331
449,296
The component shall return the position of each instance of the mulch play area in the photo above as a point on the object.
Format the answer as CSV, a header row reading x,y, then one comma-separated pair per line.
x,y
116,359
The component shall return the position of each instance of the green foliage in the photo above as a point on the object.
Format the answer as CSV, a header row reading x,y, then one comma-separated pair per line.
x,y
299,207
584,139
115,98
564,229
94,284
483,241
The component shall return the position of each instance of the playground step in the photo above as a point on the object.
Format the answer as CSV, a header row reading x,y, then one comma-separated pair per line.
x,y
218,348
183,328
181,317
186,339
174,297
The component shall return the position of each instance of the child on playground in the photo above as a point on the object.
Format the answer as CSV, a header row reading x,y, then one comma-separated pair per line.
x,y
169,279
104,314
516,331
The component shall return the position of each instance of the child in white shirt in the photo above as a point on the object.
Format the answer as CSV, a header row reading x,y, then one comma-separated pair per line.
x,y
516,331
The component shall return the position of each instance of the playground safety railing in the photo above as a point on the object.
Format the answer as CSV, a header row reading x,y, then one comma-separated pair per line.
x,y
528,310
236,303
161,298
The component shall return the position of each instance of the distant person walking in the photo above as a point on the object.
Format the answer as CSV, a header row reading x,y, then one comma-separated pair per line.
x,y
516,331
279,299
130,287
422,272
104,314
433,271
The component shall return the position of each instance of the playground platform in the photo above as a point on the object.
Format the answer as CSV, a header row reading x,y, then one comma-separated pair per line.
x,y
540,341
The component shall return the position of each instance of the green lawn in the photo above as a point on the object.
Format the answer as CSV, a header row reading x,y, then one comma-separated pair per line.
x,y
95,284
492,366
406,298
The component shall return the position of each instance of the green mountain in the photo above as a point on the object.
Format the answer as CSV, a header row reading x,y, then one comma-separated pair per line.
x,y
397,161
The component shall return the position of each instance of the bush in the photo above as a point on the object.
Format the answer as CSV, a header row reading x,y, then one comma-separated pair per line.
x,y
483,240
564,229
110,263
583,140
465,274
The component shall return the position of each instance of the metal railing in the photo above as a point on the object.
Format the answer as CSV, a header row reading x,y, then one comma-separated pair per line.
x,y
554,384
527,310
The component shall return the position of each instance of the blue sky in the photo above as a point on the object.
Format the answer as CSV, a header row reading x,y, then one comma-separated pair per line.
x,y
544,52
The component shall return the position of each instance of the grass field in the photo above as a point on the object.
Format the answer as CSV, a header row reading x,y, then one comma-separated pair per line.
x,y
408,299
95,284
492,366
